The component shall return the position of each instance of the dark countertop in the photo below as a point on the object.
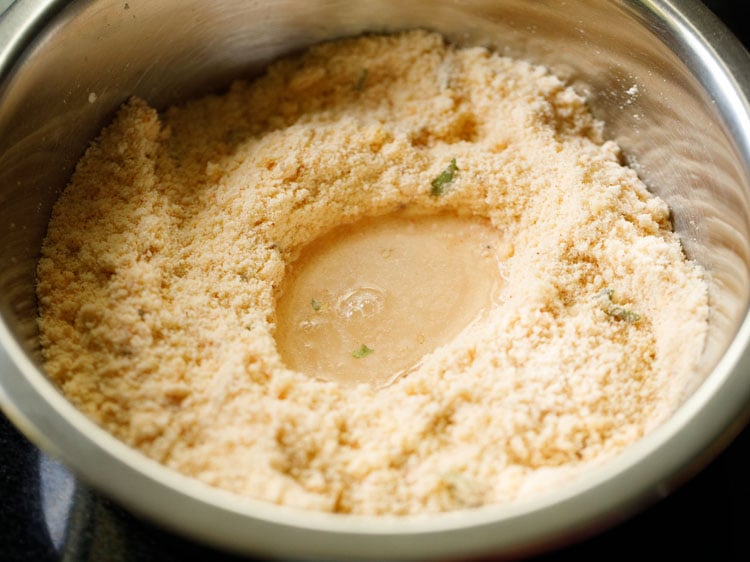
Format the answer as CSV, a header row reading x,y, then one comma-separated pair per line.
x,y
47,515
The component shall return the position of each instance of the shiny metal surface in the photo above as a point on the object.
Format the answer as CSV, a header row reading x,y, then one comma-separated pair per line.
x,y
668,79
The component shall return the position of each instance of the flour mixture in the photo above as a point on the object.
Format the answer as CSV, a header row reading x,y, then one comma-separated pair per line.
x,y
175,278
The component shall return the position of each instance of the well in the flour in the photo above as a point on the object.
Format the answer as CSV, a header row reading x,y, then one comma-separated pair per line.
x,y
365,302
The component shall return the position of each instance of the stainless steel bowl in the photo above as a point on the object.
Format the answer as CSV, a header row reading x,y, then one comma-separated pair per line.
x,y
671,83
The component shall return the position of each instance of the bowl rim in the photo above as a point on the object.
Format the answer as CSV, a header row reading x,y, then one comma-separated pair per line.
x,y
645,471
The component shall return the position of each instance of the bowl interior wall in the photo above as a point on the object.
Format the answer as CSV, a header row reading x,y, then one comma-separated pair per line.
x,y
673,121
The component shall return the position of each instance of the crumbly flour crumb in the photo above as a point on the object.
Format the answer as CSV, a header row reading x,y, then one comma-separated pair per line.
x,y
157,282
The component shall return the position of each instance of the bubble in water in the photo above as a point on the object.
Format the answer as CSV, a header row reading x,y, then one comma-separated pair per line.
x,y
362,302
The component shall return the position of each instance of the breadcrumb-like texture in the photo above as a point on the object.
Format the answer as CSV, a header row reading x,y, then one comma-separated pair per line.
x,y
157,282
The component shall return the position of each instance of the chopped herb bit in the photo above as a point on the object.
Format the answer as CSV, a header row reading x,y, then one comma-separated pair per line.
x,y
360,85
445,177
316,304
614,310
624,314
606,293
363,351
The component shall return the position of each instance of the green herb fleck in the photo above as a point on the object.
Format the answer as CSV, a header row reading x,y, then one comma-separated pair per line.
x,y
362,351
624,314
316,304
606,293
615,311
445,177
360,85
